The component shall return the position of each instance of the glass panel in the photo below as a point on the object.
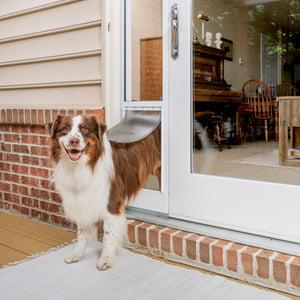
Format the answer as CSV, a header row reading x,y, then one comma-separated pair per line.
x,y
245,53
146,65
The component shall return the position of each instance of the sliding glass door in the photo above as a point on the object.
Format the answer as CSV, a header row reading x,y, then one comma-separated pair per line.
x,y
233,57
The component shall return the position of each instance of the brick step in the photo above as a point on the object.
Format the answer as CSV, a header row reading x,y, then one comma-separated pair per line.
x,y
253,265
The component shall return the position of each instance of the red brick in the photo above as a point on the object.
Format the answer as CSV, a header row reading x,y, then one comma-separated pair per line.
x,y
19,129
204,249
55,197
247,259
142,234
131,230
27,116
263,264
47,184
23,210
30,160
29,139
6,147
20,189
41,194
40,116
33,116
60,220
30,202
279,268
154,237
26,180
40,151
3,115
39,172
21,116
50,207
48,116
38,130
15,158
217,253
20,149
11,177
295,272
9,116
15,116
178,242
11,137
20,169
165,239
191,246
232,257
5,166
12,198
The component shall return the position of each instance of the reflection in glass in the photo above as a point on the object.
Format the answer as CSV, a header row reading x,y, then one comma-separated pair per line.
x,y
234,134
146,49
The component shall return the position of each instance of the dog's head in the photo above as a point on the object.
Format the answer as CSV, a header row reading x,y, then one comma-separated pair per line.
x,y
76,137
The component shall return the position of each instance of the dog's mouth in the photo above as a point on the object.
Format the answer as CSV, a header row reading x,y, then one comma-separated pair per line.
x,y
74,154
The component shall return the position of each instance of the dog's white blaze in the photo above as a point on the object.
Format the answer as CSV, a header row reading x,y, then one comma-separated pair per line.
x,y
74,133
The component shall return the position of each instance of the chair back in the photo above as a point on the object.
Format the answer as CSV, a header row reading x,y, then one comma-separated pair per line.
x,y
285,89
257,94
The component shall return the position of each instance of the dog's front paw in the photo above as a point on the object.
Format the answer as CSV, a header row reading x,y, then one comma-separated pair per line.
x,y
73,257
105,263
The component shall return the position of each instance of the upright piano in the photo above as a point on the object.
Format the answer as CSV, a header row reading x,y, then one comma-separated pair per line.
x,y
210,90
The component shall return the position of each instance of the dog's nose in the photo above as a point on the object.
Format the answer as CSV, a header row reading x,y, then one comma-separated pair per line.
x,y
74,142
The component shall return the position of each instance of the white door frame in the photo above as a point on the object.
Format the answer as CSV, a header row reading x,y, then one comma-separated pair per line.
x,y
150,199
261,208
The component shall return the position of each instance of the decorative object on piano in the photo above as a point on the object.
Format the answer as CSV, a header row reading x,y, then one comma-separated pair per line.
x,y
227,45
208,40
218,40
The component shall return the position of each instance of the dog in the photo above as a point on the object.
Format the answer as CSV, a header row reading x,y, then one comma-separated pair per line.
x,y
96,179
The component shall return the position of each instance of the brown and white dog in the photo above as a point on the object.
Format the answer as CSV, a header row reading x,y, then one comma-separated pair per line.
x,y
96,178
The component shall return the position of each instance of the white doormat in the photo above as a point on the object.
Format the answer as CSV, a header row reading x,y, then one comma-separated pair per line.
x,y
133,277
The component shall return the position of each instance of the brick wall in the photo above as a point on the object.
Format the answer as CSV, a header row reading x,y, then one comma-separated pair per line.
x,y
25,171
258,266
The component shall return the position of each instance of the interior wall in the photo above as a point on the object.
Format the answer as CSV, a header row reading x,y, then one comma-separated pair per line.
x,y
230,18
146,23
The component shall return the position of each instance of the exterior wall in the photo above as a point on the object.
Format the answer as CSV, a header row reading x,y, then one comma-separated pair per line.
x,y
51,53
25,171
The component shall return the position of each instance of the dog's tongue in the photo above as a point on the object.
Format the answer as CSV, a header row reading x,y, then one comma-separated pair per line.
x,y
74,154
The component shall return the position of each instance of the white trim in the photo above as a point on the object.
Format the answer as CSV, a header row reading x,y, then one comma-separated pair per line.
x,y
36,9
113,48
52,31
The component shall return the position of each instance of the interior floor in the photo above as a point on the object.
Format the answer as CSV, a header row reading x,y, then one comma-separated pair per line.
x,y
257,160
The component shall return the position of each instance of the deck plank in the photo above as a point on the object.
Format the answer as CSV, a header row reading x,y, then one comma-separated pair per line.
x,y
20,238
39,230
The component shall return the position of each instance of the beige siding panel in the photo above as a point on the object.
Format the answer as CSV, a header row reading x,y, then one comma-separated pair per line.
x,y
58,17
75,96
79,69
9,7
83,40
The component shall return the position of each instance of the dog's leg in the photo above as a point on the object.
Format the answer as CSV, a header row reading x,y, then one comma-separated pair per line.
x,y
84,235
114,237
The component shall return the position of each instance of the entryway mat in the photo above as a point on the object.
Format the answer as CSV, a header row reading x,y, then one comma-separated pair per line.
x,y
134,276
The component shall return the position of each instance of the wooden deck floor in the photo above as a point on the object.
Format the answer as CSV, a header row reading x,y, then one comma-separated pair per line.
x,y
20,238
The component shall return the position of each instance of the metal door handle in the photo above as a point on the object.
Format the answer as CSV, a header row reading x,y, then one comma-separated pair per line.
x,y
174,31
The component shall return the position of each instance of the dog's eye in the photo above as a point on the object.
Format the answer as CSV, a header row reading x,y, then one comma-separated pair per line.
x,y
66,129
84,129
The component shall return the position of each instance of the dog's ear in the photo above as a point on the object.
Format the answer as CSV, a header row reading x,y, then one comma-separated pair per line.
x,y
101,128
52,127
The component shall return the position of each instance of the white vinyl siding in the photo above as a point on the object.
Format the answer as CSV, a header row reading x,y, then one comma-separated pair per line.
x,y
51,53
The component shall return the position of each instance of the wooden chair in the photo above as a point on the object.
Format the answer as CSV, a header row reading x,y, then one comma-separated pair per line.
x,y
257,95
285,89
